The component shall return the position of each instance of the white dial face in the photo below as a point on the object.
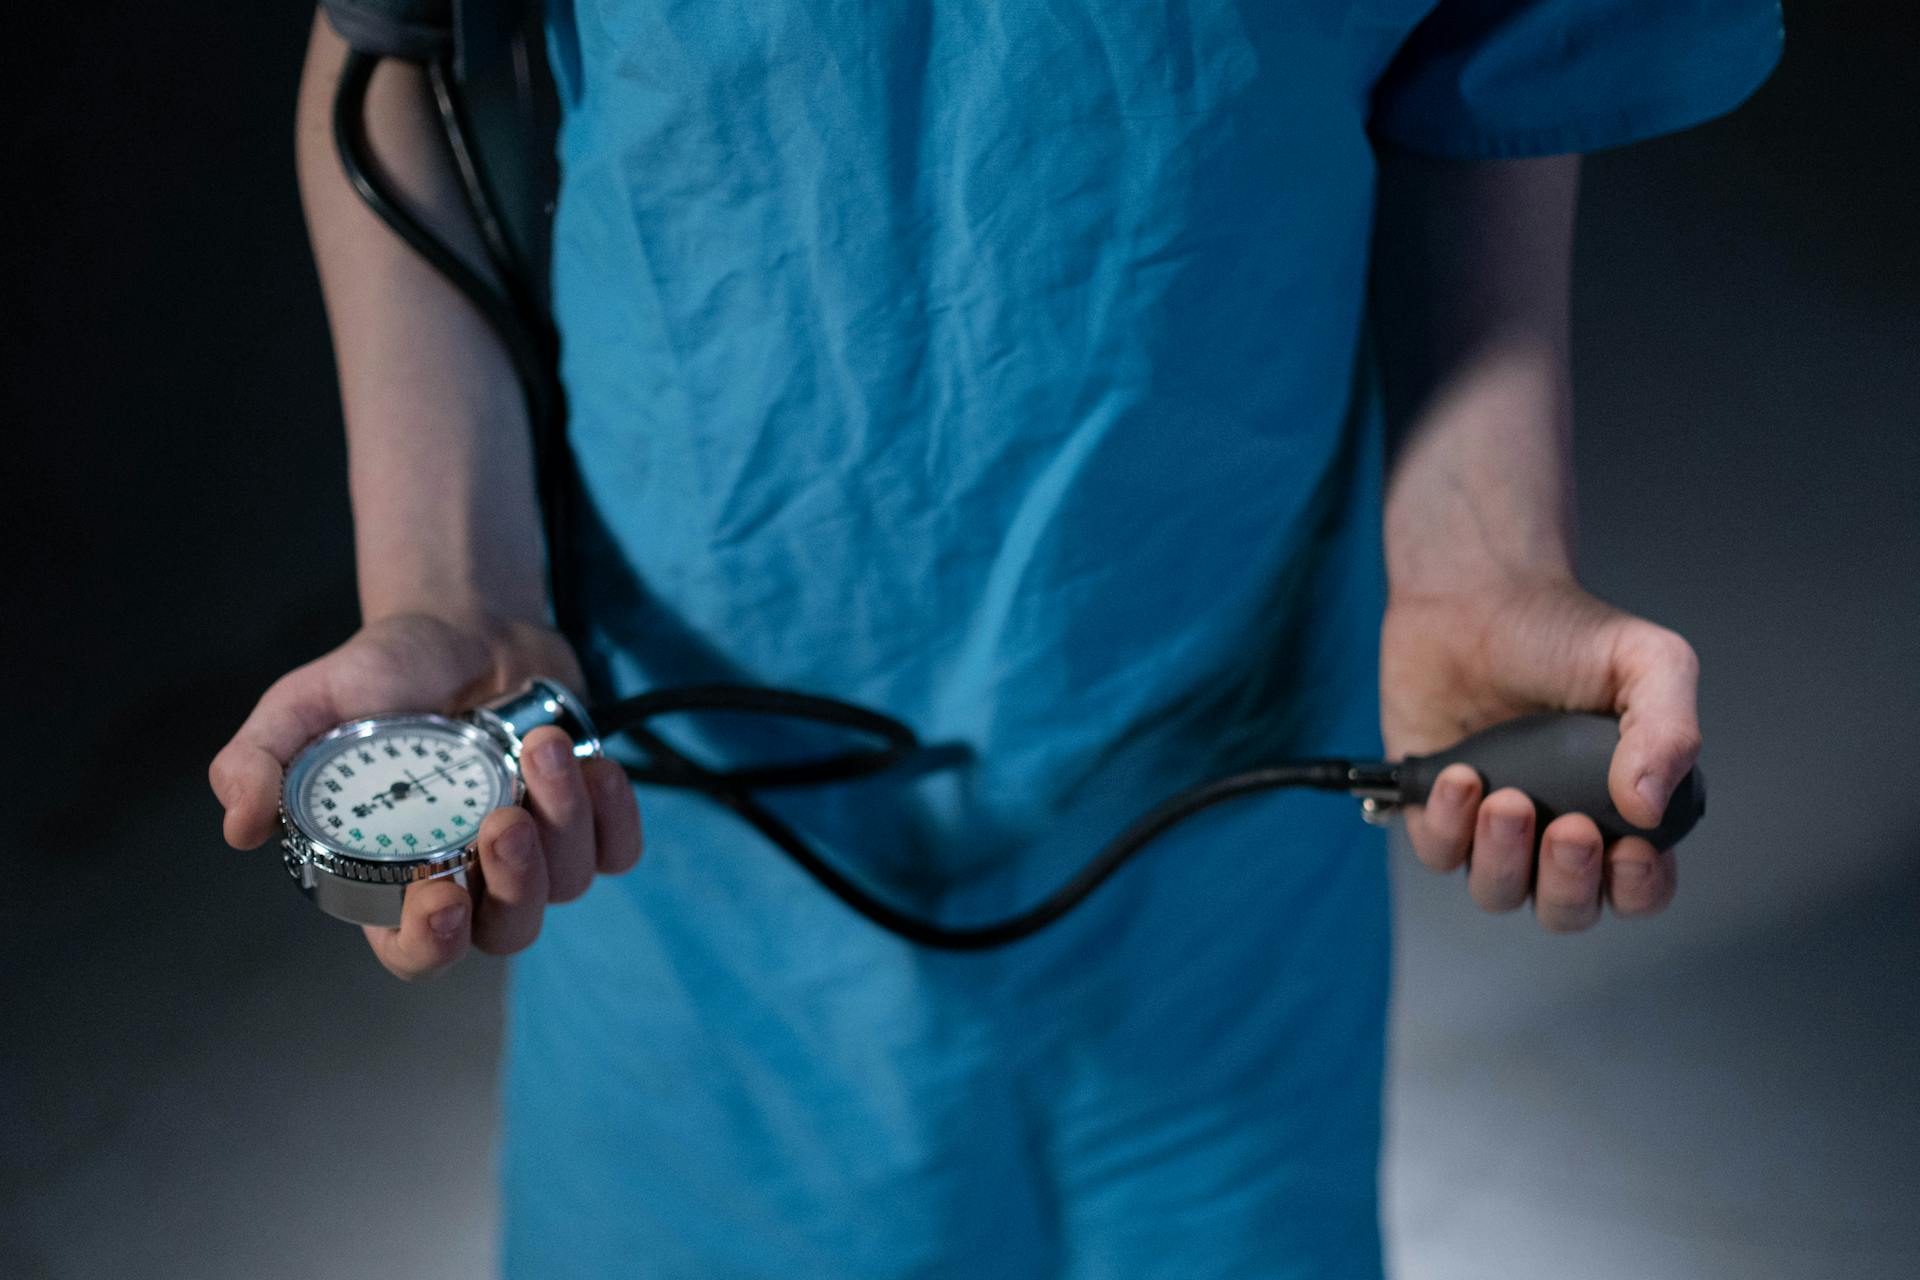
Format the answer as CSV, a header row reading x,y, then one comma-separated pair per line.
x,y
401,790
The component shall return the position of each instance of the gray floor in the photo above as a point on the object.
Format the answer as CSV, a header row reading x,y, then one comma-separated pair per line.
x,y
1586,1111
201,1078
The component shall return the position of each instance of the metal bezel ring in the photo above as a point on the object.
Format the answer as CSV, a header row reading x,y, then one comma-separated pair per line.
x,y
324,856
300,851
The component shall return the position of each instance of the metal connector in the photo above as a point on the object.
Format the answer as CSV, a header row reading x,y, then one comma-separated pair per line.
x,y
1377,787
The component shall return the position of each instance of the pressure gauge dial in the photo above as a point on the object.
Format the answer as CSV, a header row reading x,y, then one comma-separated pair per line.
x,y
371,806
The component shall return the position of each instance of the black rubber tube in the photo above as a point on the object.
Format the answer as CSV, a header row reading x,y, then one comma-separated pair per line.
x,y
735,789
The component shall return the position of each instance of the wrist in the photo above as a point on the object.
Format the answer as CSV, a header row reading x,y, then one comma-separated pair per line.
x,y
475,618
1467,566
500,651
1480,491
1485,594
463,581
1467,524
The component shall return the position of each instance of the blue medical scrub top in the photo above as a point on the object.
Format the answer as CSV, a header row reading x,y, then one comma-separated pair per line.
x,y
1002,366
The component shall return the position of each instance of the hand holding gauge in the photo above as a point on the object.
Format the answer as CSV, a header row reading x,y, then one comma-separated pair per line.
x,y
362,823
545,816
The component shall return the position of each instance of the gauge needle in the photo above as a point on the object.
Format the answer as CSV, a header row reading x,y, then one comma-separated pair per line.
x,y
458,764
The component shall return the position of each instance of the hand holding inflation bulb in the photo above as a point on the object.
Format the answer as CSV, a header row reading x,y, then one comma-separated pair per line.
x,y
1560,760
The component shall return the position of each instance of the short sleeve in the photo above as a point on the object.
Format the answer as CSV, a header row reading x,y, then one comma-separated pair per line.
x,y
1488,79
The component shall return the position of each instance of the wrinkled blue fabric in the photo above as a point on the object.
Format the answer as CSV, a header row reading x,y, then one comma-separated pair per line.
x,y
1001,366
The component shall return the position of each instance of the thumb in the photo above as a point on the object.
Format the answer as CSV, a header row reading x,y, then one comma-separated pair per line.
x,y
1658,677
245,776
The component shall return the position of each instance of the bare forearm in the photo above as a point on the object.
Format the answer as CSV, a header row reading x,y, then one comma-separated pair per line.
x,y
1471,280
440,465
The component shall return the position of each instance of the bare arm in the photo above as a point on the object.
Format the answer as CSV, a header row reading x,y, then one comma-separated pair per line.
x,y
1485,618
441,466
1472,267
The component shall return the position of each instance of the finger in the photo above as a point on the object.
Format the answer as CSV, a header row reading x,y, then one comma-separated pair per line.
x,y
1659,679
1566,886
616,816
557,795
1442,828
513,876
1640,879
245,776
432,932
246,782
1500,870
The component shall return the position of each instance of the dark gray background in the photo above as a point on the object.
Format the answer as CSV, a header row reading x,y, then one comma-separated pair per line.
x,y
202,1077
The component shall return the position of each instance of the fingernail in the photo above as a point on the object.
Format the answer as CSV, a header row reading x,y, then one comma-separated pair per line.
x,y
515,846
1653,791
1572,855
551,757
1632,870
1508,826
1451,793
447,922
